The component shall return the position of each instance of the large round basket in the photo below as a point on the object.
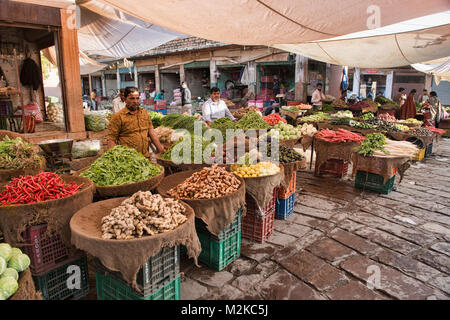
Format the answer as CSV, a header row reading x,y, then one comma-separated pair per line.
x,y
172,167
126,256
56,213
12,135
127,189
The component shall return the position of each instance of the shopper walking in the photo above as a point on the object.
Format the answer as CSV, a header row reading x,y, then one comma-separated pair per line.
x,y
186,99
408,109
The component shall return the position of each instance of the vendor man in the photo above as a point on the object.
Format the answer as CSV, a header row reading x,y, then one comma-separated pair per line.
x,y
215,108
119,101
132,126
318,96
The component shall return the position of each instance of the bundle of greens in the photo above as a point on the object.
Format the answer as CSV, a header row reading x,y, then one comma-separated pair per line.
x,y
341,121
120,165
252,120
156,118
367,116
188,143
181,121
382,100
372,143
17,154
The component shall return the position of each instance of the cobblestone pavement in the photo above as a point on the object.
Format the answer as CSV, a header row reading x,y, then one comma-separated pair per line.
x,y
340,238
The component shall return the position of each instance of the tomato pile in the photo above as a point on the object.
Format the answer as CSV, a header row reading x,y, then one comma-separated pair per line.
x,y
32,189
273,119
339,136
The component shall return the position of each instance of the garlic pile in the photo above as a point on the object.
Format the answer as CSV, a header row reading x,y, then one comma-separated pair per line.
x,y
55,112
143,214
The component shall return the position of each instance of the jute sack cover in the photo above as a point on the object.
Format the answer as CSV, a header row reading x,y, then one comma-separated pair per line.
x,y
127,189
402,136
128,256
27,290
326,150
7,175
56,213
216,213
380,165
261,188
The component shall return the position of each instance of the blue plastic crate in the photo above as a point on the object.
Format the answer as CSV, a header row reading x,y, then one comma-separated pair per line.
x,y
284,207
163,111
429,150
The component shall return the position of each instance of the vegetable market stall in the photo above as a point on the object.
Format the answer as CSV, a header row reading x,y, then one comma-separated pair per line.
x,y
127,252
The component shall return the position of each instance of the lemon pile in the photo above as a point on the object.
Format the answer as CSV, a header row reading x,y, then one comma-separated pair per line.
x,y
260,169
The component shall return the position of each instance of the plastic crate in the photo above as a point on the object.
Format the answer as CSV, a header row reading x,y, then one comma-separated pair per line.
x,y
163,111
429,150
154,274
257,225
335,167
54,284
420,155
218,252
109,288
45,251
283,193
373,182
284,208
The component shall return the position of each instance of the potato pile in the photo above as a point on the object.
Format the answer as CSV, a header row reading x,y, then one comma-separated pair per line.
x,y
260,169
143,214
209,183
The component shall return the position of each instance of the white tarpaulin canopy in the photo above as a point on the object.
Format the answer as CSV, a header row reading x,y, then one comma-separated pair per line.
x,y
401,44
441,71
264,22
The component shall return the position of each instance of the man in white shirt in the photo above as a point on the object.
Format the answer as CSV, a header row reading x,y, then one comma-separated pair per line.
x,y
318,96
215,108
119,101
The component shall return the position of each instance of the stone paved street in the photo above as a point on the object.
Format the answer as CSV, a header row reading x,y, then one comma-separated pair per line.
x,y
340,236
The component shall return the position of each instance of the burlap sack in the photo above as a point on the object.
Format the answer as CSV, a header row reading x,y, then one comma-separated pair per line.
x,y
173,167
289,169
27,290
56,213
307,142
402,136
127,189
261,188
128,256
288,143
216,213
7,175
331,150
380,165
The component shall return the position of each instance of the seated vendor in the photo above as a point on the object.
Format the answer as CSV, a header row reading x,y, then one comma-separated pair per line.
x,y
132,126
215,108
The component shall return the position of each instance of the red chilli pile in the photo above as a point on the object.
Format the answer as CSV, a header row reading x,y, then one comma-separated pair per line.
x,y
338,136
32,189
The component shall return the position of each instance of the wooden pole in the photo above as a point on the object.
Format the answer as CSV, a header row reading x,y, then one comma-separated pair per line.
x,y
20,91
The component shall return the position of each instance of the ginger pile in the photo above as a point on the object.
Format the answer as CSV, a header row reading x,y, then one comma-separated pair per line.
x,y
143,214
209,183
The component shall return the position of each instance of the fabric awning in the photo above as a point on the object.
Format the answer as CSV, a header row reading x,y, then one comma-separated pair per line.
x,y
441,72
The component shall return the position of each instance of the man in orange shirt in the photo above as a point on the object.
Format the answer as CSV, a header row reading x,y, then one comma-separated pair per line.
x,y
132,126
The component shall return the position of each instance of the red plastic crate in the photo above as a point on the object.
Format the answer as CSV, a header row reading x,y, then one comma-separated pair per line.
x,y
257,225
283,193
335,167
45,251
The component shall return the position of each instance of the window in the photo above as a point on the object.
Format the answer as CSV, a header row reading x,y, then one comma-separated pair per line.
x,y
126,77
111,76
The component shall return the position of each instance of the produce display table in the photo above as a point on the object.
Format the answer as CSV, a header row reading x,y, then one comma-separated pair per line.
x,y
326,125
216,213
331,150
127,256
402,136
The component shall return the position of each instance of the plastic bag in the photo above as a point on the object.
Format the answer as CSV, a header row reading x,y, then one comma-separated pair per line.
x,y
31,109
96,120
55,112
83,149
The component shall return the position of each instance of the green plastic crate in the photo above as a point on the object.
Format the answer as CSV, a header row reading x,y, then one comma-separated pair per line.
x,y
109,288
53,284
218,252
374,182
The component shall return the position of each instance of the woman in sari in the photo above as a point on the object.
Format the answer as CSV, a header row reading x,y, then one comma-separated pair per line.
x,y
408,109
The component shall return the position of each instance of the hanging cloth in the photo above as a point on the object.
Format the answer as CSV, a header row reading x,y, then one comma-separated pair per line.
x,y
30,75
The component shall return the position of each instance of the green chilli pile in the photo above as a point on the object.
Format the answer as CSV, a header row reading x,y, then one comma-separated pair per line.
x,y
120,165
17,154
224,124
252,120
372,143
181,121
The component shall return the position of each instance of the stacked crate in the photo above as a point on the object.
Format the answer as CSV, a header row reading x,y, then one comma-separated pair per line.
x,y
266,88
258,223
158,279
52,265
286,199
220,251
374,182
335,167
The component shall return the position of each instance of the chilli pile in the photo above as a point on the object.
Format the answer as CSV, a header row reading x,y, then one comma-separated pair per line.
x,y
41,187
338,136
